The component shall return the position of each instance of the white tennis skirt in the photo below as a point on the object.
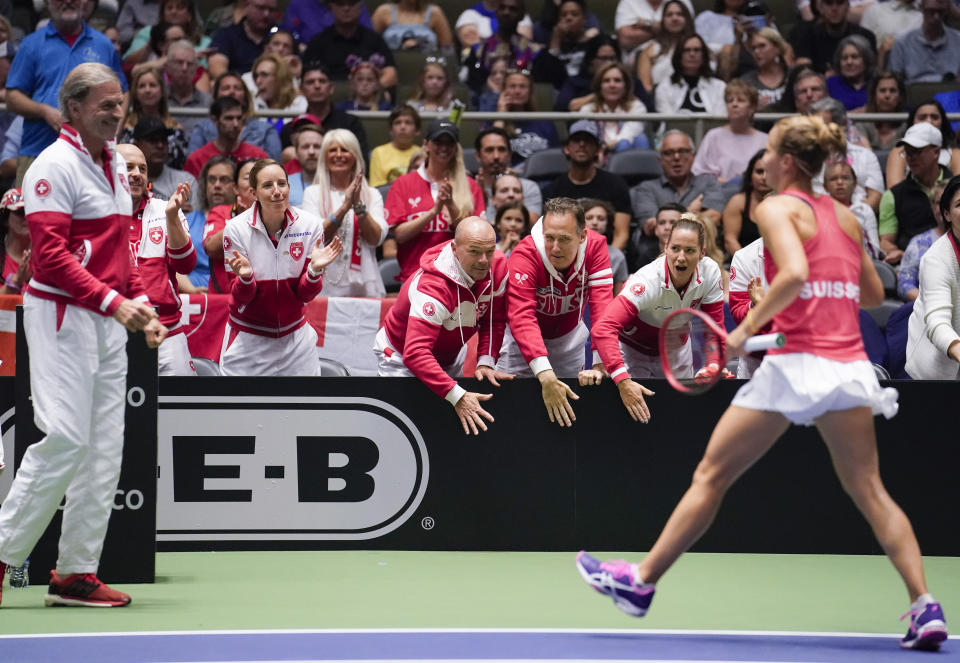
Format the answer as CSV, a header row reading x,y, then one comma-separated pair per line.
x,y
803,386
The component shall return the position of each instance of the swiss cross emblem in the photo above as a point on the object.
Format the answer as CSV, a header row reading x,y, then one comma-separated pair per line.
x,y
429,309
733,272
42,188
227,244
638,289
296,250
156,235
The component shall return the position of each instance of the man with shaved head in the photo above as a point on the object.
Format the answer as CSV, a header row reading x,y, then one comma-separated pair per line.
x,y
458,291
161,246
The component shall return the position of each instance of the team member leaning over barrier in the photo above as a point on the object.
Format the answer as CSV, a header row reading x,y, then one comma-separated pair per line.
x,y
681,278
554,271
459,290
277,253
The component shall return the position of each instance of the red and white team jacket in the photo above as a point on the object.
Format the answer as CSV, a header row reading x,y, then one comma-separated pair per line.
x,y
544,304
746,264
271,303
158,265
79,219
648,297
439,309
410,196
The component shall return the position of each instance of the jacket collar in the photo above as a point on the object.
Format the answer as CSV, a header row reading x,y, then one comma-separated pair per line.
x,y
537,233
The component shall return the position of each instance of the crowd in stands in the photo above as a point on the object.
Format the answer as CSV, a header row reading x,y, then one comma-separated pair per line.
x,y
278,80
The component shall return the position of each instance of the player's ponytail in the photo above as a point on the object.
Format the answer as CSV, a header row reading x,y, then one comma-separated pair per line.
x,y
810,141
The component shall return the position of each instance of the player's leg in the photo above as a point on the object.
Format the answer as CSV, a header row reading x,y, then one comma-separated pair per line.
x,y
851,439
741,438
63,355
91,494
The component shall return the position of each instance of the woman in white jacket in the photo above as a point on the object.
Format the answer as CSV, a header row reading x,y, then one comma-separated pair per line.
x,y
693,87
353,211
933,344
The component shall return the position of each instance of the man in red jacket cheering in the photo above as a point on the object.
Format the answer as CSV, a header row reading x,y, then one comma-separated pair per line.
x,y
459,291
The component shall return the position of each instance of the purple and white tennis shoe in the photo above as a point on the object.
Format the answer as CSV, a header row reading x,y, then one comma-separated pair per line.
x,y
927,629
616,579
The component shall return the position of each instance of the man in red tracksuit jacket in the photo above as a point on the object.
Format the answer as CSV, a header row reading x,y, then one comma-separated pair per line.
x,y
559,268
459,291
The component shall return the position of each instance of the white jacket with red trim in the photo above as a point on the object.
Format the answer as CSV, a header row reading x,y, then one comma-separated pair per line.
x,y
635,315
439,309
79,219
746,264
271,303
544,304
158,265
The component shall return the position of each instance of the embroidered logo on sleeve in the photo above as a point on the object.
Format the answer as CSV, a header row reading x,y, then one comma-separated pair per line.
x,y
733,272
414,201
227,244
296,250
42,188
638,289
520,277
429,309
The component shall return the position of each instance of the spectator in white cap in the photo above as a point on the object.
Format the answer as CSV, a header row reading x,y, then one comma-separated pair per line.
x,y
14,246
905,209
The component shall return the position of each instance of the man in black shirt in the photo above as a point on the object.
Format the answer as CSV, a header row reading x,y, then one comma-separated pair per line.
x,y
316,87
347,37
585,180
815,42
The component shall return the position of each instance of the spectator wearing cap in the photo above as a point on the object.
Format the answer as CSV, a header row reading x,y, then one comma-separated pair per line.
x,y
255,131
43,61
905,209
179,69
227,114
424,207
930,53
14,244
317,87
235,48
152,136
584,179
306,141
348,37
699,194
494,155
308,18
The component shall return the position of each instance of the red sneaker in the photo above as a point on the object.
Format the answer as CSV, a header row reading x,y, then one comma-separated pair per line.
x,y
83,589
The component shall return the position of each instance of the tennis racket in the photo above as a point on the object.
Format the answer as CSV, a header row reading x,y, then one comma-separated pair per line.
x,y
693,350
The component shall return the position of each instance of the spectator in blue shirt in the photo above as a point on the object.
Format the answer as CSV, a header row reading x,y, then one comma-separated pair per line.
x,y
43,61
308,18
930,54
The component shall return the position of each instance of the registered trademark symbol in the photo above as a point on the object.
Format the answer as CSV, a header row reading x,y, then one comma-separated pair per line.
x,y
427,523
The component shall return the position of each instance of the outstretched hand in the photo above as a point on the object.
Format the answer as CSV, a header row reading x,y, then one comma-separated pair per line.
x,y
240,266
556,395
472,414
491,374
323,255
632,393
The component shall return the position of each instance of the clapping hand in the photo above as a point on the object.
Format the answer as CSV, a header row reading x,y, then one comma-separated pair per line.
x,y
324,255
240,266
180,198
755,290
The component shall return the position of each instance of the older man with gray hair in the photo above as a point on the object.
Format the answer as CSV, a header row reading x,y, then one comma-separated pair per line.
x,y
180,67
83,293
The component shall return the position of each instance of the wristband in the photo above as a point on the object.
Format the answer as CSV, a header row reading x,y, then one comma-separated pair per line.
x,y
333,220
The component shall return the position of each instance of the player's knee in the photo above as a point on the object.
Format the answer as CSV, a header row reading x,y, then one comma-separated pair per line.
x,y
713,476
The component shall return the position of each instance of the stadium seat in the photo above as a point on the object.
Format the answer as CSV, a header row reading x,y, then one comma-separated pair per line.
x,y
882,156
332,368
389,271
917,92
636,165
888,277
205,367
882,313
470,159
543,167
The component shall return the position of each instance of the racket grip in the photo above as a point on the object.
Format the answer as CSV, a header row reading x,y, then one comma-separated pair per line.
x,y
765,342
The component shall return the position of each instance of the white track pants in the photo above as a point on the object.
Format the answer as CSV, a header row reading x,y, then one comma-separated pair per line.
x,y
566,353
78,379
173,356
253,355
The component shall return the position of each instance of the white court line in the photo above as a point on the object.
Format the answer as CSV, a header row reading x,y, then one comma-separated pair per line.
x,y
505,660
395,631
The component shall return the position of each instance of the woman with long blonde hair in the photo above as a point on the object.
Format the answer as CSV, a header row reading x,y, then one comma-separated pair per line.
x,y
275,87
424,206
353,211
819,276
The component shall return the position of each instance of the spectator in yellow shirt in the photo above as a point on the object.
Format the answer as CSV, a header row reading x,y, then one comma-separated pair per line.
x,y
389,161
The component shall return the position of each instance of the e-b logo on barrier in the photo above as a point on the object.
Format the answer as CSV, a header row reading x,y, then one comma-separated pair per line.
x,y
285,468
